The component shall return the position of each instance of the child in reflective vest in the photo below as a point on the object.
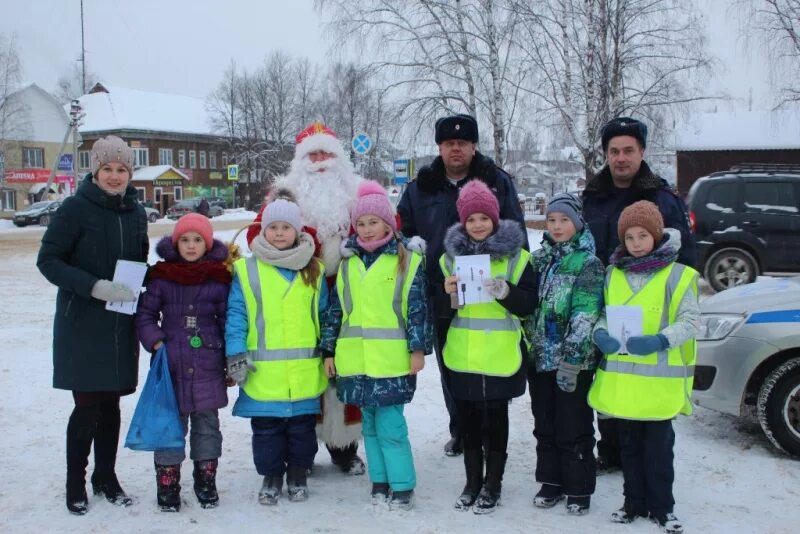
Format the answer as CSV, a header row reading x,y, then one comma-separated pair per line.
x,y
570,300
271,335
184,309
374,338
485,351
647,333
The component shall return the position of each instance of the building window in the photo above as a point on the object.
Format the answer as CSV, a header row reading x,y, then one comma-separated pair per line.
x,y
202,159
224,160
84,159
157,195
9,200
141,192
192,159
33,158
212,160
178,193
141,157
181,159
165,156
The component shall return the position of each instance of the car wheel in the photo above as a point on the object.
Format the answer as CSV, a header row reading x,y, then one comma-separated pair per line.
x,y
152,217
779,407
44,220
730,267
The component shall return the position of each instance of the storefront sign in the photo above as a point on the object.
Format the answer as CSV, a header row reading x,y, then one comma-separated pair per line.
x,y
168,181
215,175
34,176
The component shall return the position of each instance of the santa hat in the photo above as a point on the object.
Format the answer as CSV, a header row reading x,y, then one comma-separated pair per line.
x,y
373,200
317,137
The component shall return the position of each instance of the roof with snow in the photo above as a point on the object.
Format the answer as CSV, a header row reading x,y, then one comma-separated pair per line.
x,y
154,172
110,108
743,130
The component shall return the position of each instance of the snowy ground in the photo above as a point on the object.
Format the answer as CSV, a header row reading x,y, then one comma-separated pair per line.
x,y
728,477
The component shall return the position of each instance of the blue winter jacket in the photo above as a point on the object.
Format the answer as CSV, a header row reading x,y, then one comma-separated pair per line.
x,y
236,343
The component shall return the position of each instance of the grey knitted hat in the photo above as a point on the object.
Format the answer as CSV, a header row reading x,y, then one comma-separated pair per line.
x,y
282,210
570,205
111,148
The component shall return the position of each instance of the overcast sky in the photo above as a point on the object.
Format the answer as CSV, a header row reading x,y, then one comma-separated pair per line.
x,y
183,46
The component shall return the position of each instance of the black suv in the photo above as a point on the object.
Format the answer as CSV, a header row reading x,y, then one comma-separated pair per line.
x,y
747,223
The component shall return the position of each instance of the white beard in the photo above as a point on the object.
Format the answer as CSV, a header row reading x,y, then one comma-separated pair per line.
x,y
326,192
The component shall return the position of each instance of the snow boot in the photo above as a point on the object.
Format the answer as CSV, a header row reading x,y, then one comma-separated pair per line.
x,y
669,523
347,459
355,466
578,505
623,516
106,441
489,498
168,487
454,447
205,483
80,434
271,489
473,465
380,493
296,483
549,495
402,500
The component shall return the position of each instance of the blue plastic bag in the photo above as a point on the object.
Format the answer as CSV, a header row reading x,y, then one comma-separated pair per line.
x,y
156,423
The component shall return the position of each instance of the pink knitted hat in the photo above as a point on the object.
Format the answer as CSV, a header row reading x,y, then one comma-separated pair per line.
x,y
372,200
476,197
194,222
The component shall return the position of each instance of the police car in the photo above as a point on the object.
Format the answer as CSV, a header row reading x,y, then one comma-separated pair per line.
x,y
748,361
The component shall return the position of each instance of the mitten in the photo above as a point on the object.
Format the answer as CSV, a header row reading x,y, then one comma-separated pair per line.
x,y
238,367
497,288
567,376
604,342
112,291
641,345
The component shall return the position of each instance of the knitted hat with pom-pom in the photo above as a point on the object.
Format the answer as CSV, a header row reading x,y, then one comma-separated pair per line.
x,y
373,200
476,197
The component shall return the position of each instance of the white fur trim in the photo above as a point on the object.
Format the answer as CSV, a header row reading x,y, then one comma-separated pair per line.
x,y
417,244
331,255
345,251
320,141
332,431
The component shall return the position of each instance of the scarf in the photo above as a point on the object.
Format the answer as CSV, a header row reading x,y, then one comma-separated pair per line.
x,y
191,273
656,260
375,244
295,258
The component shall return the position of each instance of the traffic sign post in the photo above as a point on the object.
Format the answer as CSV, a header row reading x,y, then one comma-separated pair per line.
x,y
361,144
402,171
233,173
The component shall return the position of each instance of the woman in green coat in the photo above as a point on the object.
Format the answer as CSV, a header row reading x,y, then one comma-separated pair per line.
x,y
95,351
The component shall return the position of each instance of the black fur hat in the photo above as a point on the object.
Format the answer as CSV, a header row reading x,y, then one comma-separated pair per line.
x,y
624,126
456,127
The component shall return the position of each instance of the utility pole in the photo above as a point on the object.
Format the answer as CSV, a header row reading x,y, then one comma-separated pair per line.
x,y
83,56
76,114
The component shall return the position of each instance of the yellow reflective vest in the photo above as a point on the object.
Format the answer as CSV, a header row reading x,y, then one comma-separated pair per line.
x,y
282,333
484,338
372,340
657,386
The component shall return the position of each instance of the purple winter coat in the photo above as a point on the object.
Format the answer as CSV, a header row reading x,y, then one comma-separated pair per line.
x,y
198,375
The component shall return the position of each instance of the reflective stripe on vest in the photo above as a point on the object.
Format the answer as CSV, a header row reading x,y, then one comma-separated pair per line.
x,y
372,339
283,330
656,386
484,338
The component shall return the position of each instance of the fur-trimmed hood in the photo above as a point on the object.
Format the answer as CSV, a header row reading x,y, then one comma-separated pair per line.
x,y
432,177
645,180
169,252
506,241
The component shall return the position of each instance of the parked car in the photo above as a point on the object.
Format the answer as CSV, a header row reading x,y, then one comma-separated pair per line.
x,y
152,214
217,201
747,223
748,361
38,213
190,205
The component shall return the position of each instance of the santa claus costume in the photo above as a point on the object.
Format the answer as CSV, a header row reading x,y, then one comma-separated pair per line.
x,y
326,191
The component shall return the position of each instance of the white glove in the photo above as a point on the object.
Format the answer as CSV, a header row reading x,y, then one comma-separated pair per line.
x,y
112,292
497,288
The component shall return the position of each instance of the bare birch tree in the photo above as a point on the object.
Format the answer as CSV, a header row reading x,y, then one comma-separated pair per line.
x,y
14,120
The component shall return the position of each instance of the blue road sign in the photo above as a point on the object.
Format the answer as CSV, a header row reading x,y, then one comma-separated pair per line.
x,y
65,162
401,171
361,144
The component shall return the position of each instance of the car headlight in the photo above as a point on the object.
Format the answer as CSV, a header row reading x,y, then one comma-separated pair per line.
x,y
715,326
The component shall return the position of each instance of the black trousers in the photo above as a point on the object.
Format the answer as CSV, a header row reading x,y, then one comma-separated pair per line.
x,y
564,431
609,445
282,441
647,466
440,336
484,424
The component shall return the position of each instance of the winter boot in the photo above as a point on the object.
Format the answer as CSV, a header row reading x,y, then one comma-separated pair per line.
x,y
380,493
205,483
668,522
454,447
402,500
489,497
623,516
270,490
106,440
578,505
347,459
168,487
549,495
296,484
473,465
80,434
355,466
